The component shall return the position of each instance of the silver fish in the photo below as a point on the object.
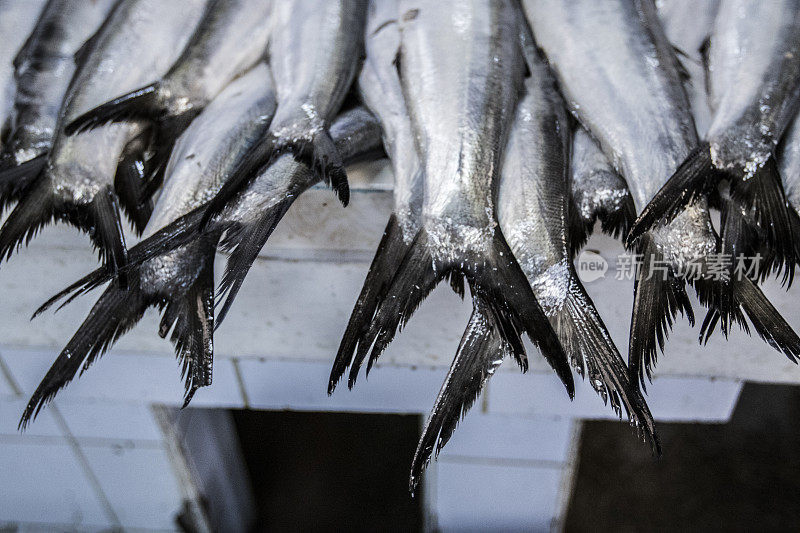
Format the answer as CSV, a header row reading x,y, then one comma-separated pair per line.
x,y
230,39
43,70
461,102
789,159
534,212
315,50
381,91
754,86
180,282
17,19
627,69
598,191
140,39
688,24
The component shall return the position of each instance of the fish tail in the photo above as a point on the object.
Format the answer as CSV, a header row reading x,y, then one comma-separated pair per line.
x,y
618,222
35,210
139,104
129,182
587,341
388,257
658,295
495,278
16,180
479,355
694,178
244,242
87,283
578,230
101,219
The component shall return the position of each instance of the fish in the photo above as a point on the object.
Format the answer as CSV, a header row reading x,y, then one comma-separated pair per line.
x,y
687,24
789,161
381,91
629,70
17,19
43,71
140,39
461,102
315,50
754,88
229,40
598,191
533,210
180,282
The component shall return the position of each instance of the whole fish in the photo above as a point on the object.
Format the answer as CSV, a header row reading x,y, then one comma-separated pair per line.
x,y
231,38
315,50
380,89
628,70
43,70
533,211
789,159
754,86
461,102
687,24
598,191
17,19
180,282
140,39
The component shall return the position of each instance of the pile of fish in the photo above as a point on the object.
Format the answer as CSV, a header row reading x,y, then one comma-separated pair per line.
x,y
513,127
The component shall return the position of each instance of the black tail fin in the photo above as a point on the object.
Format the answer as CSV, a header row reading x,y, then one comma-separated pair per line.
x,y
658,295
34,211
495,278
316,150
391,251
695,177
479,354
139,104
104,225
187,310
618,222
16,180
244,243
130,181
586,340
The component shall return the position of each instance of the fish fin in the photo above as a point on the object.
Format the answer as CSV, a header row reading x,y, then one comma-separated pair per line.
x,y
495,277
190,316
388,257
15,180
244,242
695,177
35,210
129,183
138,104
577,232
587,341
479,355
85,284
104,226
763,196
658,295
116,312
617,222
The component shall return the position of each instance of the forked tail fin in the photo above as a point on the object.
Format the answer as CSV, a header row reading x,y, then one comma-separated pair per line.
x,y
16,180
139,104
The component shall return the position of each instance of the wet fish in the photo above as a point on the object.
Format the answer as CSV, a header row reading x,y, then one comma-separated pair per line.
x,y
137,42
687,24
789,159
43,70
230,39
461,102
17,19
626,70
315,50
598,191
381,91
180,282
754,85
534,213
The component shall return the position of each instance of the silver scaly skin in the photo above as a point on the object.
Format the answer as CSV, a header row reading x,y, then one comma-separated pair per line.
x,y
139,41
180,282
43,70
623,85
17,19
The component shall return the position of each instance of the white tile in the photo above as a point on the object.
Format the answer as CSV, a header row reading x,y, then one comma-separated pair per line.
x,y
6,390
478,497
511,437
303,386
110,419
138,483
45,483
10,413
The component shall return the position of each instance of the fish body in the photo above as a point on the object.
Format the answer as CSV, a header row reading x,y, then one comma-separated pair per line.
x,y
17,19
43,71
140,40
